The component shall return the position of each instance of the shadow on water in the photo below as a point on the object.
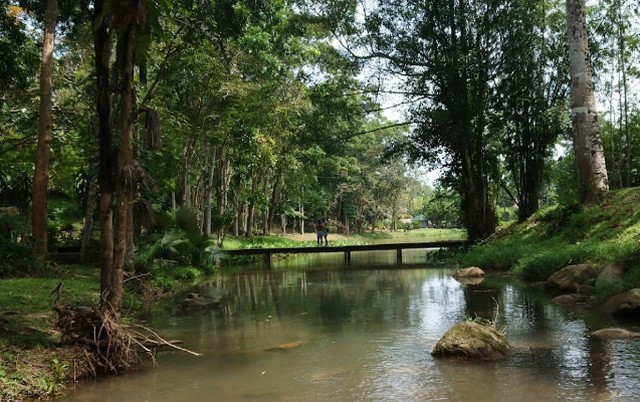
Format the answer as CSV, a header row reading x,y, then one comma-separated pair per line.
x,y
365,332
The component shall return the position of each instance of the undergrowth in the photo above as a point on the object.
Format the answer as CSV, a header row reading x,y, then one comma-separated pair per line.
x,y
608,232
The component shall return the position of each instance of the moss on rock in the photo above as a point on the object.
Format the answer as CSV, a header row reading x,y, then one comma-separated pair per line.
x,y
472,340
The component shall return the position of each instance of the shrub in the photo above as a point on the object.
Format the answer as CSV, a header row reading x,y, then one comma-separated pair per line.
x,y
187,273
17,259
502,257
541,265
13,227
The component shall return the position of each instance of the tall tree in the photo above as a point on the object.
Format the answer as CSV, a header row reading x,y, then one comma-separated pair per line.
x,y
444,51
102,37
529,114
39,211
587,142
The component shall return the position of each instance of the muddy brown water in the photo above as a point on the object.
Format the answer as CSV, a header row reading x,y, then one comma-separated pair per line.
x,y
327,332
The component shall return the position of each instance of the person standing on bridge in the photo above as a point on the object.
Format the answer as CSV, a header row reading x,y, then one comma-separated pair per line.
x,y
326,232
319,226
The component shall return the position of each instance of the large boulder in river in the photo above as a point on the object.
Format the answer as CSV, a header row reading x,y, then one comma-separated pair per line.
x,y
472,340
471,272
572,277
627,303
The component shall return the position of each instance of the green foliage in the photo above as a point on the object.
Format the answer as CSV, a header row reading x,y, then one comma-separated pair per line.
x,y
18,50
59,368
17,259
539,266
18,188
30,360
14,227
182,245
502,257
164,247
631,278
563,182
443,206
187,221
187,273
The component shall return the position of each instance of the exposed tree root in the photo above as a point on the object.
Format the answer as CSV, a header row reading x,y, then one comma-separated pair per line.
x,y
109,346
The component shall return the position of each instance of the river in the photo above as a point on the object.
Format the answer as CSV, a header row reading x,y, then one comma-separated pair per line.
x,y
327,332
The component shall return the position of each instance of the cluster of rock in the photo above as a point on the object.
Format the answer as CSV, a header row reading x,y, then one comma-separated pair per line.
x,y
576,283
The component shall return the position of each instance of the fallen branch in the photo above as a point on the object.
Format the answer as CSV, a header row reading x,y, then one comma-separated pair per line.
x,y
161,341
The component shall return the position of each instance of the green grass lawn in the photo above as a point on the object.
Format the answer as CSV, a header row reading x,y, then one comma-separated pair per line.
x,y
425,234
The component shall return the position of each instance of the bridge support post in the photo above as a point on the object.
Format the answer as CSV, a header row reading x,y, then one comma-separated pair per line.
x,y
347,257
399,255
267,260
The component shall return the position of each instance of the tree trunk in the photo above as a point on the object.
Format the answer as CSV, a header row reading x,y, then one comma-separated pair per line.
x,y
41,177
248,227
222,193
359,215
237,217
591,167
209,194
283,223
87,224
130,254
251,207
185,182
624,106
244,221
273,203
301,210
124,187
102,48
264,208
394,216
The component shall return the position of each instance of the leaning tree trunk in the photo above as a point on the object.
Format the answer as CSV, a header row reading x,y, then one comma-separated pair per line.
x,y
590,162
41,176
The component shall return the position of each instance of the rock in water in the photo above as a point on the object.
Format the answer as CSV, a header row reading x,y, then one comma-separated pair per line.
x,y
613,333
571,277
470,272
471,340
624,304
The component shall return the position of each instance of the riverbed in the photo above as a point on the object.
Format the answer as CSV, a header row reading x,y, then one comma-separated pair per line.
x,y
314,329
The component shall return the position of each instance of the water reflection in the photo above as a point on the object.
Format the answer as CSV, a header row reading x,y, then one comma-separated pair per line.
x,y
366,335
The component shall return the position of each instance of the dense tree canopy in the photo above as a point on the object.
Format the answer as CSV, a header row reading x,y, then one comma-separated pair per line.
x,y
244,117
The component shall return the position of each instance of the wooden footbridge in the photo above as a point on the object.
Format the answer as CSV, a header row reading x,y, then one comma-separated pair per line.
x,y
347,250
